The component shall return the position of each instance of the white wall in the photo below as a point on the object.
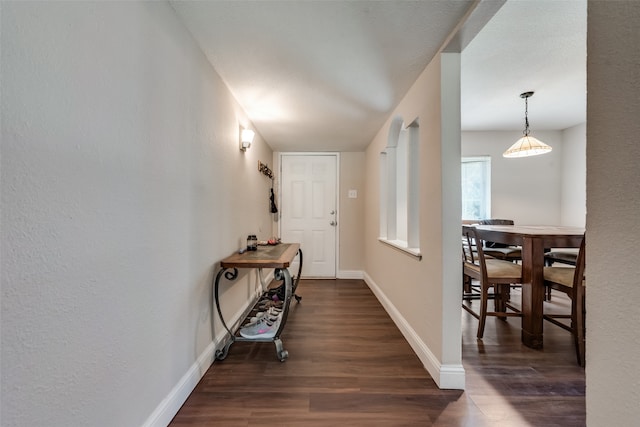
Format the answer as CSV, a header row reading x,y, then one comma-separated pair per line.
x,y
573,197
542,190
122,187
525,189
351,215
418,293
613,206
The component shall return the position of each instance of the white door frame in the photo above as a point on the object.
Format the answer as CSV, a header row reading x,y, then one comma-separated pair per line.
x,y
315,153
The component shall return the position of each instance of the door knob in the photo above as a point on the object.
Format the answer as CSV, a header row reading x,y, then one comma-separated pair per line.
x,y
333,223
332,213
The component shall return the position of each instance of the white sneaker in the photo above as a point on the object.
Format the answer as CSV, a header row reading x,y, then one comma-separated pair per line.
x,y
263,328
272,314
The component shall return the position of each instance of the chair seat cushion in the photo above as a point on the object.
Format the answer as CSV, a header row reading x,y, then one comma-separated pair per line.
x,y
497,268
561,275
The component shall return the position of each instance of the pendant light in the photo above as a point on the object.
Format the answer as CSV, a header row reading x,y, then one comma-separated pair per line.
x,y
527,145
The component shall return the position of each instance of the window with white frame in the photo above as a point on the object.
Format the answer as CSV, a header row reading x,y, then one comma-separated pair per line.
x,y
399,177
476,187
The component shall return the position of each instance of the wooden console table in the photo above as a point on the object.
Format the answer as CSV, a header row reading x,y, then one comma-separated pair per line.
x,y
278,257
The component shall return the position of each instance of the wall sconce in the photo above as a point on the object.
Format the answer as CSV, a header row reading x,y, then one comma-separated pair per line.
x,y
246,138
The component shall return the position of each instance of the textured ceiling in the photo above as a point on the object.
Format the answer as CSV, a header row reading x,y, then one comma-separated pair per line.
x,y
324,75
528,45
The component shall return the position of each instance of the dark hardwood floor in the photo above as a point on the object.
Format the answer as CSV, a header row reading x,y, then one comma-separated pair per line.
x,y
349,365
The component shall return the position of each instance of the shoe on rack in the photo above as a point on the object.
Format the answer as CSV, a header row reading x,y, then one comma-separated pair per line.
x,y
268,304
278,293
263,328
273,311
272,314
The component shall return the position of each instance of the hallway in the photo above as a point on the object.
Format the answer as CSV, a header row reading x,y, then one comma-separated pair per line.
x,y
350,366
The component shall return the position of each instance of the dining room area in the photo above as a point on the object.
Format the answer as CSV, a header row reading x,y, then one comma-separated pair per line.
x,y
541,197
523,220
523,334
524,212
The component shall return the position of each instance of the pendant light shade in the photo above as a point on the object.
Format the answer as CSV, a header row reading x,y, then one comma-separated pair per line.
x,y
527,145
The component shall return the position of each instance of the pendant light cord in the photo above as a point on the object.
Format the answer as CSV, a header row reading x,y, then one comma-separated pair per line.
x,y
526,116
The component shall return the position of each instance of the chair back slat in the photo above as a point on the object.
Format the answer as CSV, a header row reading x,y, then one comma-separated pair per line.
x,y
494,221
578,277
474,253
468,247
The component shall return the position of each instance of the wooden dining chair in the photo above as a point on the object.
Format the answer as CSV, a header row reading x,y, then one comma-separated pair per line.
x,y
570,280
563,256
499,250
492,275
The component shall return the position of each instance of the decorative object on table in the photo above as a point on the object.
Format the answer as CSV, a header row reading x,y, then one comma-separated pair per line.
x,y
271,242
252,242
527,145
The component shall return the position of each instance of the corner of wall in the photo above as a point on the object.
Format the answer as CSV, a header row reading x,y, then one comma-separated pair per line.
x,y
171,404
350,274
445,376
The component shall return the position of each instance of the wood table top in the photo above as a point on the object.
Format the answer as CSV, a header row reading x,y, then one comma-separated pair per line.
x,y
534,230
276,256
549,235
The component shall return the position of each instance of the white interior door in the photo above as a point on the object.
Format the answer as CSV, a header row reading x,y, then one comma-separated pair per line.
x,y
309,210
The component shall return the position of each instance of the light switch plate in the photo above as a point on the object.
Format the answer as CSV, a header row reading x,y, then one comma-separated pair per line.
x,y
353,194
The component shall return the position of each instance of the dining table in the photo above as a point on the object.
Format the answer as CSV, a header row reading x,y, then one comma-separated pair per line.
x,y
533,239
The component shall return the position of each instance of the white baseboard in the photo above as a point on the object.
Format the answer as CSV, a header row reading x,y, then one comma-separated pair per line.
x,y
350,274
445,376
171,404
